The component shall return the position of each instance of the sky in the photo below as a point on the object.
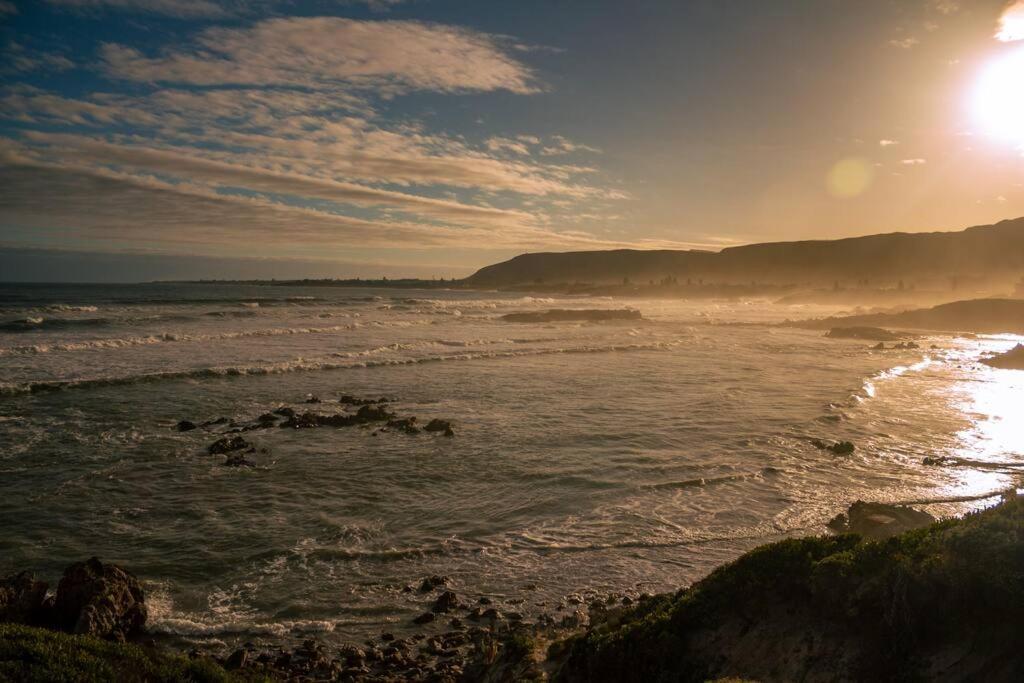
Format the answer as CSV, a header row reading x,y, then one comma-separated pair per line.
x,y
146,139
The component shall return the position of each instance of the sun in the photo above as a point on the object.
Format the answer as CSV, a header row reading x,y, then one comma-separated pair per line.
x,y
998,102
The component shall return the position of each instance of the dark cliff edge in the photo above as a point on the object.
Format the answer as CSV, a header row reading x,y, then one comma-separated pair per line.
x,y
974,257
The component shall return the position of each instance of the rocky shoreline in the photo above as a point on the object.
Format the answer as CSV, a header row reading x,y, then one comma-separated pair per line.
x,y
460,638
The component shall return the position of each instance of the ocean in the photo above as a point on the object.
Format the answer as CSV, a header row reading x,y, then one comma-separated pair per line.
x,y
617,457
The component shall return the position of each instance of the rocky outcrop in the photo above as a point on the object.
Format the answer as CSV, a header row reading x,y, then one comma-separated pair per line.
x,y
100,600
879,520
22,599
227,444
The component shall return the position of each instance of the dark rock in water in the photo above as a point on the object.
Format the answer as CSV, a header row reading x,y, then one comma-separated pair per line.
x,y
432,582
227,444
565,315
185,426
436,425
872,333
100,600
903,346
216,422
940,461
1011,360
424,618
267,418
285,411
878,520
238,460
313,399
373,413
446,602
22,599
304,421
406,424
353,401
839,447
880,346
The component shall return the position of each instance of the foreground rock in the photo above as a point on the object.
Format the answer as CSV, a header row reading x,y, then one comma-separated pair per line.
x,y
100,600
22,598
879,521
1011,360
568,315
93,598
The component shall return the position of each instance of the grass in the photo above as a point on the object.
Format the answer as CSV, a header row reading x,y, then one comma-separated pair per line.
x,y
894,605
32,654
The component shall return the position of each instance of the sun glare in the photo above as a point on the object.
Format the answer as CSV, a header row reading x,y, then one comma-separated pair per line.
x,y
998,103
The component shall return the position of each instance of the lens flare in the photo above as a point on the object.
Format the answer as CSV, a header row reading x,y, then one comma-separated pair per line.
x,y
849,178
998,103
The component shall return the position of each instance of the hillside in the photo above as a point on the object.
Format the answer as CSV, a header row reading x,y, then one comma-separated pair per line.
x,y
978,257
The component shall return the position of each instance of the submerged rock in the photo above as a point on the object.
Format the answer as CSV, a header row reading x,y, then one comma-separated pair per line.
x,y
424,618
100,600
432,582
839,447
238,460
879,520
406,424
436,425
939,461
185,426
373,413
227,445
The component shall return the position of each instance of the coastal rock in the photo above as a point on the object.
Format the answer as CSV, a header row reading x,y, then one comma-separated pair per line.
x,y
406,424
446,602
878,520
100,600
436,425
304,421
354,401
285,411
432,582
267,419
185,426
839,447
313,399
22,599
373,413
424,618
940,461
227,444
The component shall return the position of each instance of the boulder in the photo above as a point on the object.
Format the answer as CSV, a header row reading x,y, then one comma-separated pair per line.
x,y
285,411
432,582
100,600
445,602
424,618
373,413
312,399
436,425
22,599
185,426
879,521
406,424
227,445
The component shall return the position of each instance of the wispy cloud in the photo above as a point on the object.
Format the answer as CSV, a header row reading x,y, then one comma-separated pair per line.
x,y
318,52
888,143
913,162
